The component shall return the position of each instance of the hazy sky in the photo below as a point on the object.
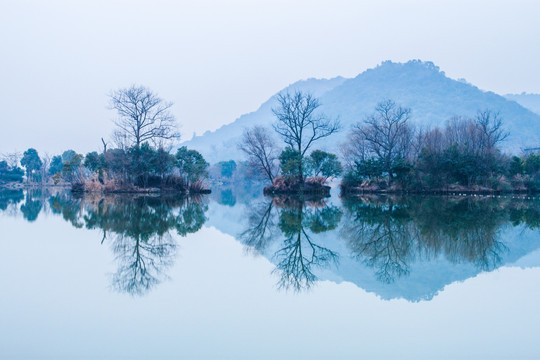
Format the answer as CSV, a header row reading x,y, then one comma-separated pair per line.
x,y
219,59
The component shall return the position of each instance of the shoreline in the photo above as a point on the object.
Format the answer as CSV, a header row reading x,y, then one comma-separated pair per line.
x,y
437,192
68,187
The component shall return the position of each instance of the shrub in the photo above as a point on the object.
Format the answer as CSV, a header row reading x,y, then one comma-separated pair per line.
x,y
287,182
316,180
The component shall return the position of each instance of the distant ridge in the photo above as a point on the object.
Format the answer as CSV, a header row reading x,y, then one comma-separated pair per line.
x,y
433,97
529,101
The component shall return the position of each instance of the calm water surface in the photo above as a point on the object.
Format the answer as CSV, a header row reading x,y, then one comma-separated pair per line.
x,y
246,277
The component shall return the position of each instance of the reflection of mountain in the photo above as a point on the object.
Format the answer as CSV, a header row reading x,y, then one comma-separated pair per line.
x,y
427,277
432,96
409,248
447,240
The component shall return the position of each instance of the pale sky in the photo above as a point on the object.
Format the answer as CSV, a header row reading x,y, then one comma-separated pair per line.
x,y
219,59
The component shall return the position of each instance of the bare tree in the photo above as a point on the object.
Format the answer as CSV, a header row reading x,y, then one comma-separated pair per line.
x,y
261,150
120,139
299,123
464,133
490,126
260,232
46,161
104,145
387,134
432,140
12,159
142,115
354,149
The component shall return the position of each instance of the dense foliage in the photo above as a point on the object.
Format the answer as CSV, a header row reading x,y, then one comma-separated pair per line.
x,y
113,170
386,153
10,173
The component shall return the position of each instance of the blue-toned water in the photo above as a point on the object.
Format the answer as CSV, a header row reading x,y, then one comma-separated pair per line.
x,y
244,277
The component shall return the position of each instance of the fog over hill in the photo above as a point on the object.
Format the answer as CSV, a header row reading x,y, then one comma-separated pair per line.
x,y
529,101
422,86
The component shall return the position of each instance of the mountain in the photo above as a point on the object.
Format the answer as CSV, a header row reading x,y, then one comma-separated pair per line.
x,y
221,145
529,101
422,86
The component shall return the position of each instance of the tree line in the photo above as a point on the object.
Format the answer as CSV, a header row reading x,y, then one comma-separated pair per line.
x,y
385,152
141,158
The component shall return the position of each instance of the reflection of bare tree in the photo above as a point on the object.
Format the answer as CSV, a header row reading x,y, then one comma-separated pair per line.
x,y
298,258
138,229
261,226
142,264
299,255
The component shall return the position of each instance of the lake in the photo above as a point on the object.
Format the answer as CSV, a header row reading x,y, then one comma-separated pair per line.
x,y
235,275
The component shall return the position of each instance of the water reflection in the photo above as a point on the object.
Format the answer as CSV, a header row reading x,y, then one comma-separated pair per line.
x,y
294,224
386,234
138,231
262,220
380,235
32,202
137,228
389,234
395,246
32,206
10,198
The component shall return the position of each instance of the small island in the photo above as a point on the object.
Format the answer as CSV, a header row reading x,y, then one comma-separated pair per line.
x,y
299,125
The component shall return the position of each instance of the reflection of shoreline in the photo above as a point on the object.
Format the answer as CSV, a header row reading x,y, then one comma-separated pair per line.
x,y
439,238
453,190
428,277
427,243
34,187
136,226
390,234
388,239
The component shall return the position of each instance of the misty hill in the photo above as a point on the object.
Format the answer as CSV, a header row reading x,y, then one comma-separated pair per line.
x,y
422,86
221,144
529,101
